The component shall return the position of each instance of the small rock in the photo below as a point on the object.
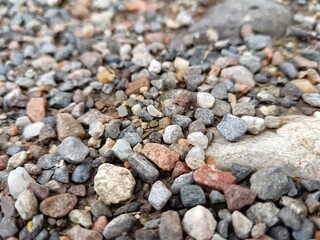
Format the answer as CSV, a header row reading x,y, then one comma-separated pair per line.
x,y
195,158
32,130
155,66
288,69
255,125
241,225
17,160
68,126
73,150
258,230
82,217
199,223
82,172
313,99
8,227
305,86
26,205
239,74
122,149
279,232
118,226
241,172
80,233
258,42
18,181
146,170
238,197
181,66
205,115
181,181
159,195
91,59
192,195
170,226
296,205
134,87
205,100
232,127
290,218
172,134
264,212
216,197
181,120
251,62
59,205
306,232
198,139
154,112
36,109
270,183
96,129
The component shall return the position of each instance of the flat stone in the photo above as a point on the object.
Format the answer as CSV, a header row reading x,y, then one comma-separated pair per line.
x,y
266,17
32,130
237,197
159,195
232,127
199,223
68,126
118,226
145,169
210,178
59,205
80,233
270,183
117,180
36,109
281,148
73,150
241,225
170,226
161,155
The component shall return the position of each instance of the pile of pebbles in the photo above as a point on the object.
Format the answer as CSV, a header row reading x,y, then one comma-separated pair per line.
x,y
104,127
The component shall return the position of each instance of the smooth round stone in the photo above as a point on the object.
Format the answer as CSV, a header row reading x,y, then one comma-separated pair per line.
x,y
205,100
122,149
255,125
205,115
313,99
118,226
288,69
82,173
145,169
18,181
73,150
32,130
117,180
27,205
195,158
172,134
199,223
232,127
82,217
159,195
198,139
192,195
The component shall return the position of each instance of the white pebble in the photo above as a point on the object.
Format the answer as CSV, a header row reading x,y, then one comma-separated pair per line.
x,y
198,139
172,134
155,66
205,100
195,158
255,124
154,112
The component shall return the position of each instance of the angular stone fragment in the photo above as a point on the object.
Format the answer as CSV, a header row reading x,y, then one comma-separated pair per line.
x,y
68,126
238,197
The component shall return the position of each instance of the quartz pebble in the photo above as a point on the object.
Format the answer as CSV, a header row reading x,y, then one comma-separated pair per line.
x,y
205,100
198,139
241,225
172,134
26,205
195,158
159,195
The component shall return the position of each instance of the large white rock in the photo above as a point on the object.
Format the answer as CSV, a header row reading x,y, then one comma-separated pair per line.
x,y
113,184
295,147
18,181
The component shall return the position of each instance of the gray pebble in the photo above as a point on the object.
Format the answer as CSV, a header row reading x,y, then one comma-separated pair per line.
x,y
192,195
313,99
159,195
145,169
288,69
205,115
60,100
258,42
232,127
216,197
181,181
118,226
73,150
82,173
181,120
290,218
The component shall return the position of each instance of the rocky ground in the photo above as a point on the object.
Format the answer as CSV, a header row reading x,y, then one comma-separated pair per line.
x,y
159,119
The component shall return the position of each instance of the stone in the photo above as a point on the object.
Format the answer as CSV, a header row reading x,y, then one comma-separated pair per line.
x,y
8,227
96,129
122,149
311,185
17,160
216,197
198,139
232,127
82,217
18,181
91,59
241,172
306,231
26,205
313,99
172,134
112,129
68,126
98,209
264,212
170,226
252,62
296,205
255,125
59,205
205,115
80,233
197,126
258,42
242,109
160,155
288,69
159,195
155,66
195,158
265,17
241,225
73,150
117,180
199,223
32,130
270,183
145,169
272,146
60,99
36,109
305,86
82,172
290,219
239,74
192,195
181,181
134,87
205,100
279,232
237,197
154,112
210,178
118,226
181,120
221,108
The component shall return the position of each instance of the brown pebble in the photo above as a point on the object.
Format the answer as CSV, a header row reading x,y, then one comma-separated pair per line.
x,y
134,87
106,75
36,109
40,191
3,161
100,224
179,169
79,233
78,190
13,131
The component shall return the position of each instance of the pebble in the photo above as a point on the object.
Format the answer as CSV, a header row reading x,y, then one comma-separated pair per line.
x,y
181,181
306,231
155,66
80,233
159,195
73,150
216,197
18,181
118,226
82,217
112,129
195,158
82,173
270,183
313,99
205,100
26,205
154,112
205,115
241,172
288,69
161,155
258,230
192,195
290,218
279,232
68,126
8,227
181,120
59,205
221,108
17,160
199,223
239,74
122,149
100,209
258,42
296,205
264,212
96,129
59,99
210,178
255,125
241,225
220,91
237,197
232,127
172,134
32,130
198,139
170,226
61,173
251,62
146,170
36,109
